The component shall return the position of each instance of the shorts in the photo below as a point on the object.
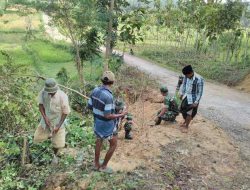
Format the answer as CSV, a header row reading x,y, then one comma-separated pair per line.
x,y
109,137
58,139
186,109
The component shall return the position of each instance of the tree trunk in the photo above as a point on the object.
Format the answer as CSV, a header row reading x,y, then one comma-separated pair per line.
x,y
186,40
109,33
76,46
196,41
228,56
6,4
246,49
79,65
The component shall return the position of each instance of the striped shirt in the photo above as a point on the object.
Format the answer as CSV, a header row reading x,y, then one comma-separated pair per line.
x,y
101,103
192,88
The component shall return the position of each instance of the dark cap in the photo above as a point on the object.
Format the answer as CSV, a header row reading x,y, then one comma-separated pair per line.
x,y
164,89
187,70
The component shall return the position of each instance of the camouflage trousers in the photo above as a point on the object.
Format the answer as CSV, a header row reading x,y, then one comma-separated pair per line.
x,y
127,126
169,116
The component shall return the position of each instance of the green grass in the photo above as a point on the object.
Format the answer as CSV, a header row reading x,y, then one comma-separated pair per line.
x,y
51,52
93,70
51,69
205,65
11,38
18,55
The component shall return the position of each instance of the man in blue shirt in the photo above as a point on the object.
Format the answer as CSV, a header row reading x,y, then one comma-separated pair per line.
x,y
101,102
191,92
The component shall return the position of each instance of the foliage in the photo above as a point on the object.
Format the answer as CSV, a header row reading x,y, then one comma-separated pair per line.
x,y
18,116
89,45
62,76
18,109
18,55
115,62
203,64
80,132
127,22
77,102
69,18
131,24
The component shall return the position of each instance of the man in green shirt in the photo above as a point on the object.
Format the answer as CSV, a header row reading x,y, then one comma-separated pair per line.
x,y
169,110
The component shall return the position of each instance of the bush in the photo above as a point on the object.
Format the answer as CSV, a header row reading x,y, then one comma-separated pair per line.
x,y
115,62
80,132
18,106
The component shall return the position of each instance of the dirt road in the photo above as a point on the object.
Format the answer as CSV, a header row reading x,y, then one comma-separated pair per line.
x,y
227,107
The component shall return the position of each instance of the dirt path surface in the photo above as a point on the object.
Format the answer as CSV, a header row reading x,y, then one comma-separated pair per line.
x,y
227,107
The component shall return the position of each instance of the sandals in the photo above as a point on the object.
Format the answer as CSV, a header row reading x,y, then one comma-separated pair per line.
x,y
100,163
184,130
107,170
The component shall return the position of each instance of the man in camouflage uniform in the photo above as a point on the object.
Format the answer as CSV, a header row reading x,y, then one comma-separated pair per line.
x,y
169,110
119,107
128,126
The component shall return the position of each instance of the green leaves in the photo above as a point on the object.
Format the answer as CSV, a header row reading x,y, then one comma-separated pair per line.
x,y
131,24
18,104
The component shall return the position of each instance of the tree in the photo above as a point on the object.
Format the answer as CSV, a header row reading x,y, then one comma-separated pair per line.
x,y
109,34
108,14
74,19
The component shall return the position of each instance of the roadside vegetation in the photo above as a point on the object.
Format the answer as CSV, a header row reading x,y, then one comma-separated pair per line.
x,y
213,37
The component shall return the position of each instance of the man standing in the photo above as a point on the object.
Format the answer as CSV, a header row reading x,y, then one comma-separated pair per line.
x,y
191,93
102,104
54,108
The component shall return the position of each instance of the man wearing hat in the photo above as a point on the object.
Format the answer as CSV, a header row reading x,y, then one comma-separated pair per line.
x,y
101,102
170,109
191,92
54,108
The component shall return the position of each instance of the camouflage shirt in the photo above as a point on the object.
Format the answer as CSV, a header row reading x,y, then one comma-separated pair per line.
x,y
167,101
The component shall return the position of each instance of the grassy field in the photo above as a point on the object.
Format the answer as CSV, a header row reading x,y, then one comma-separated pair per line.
x,y
13,22
42,55
39,53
